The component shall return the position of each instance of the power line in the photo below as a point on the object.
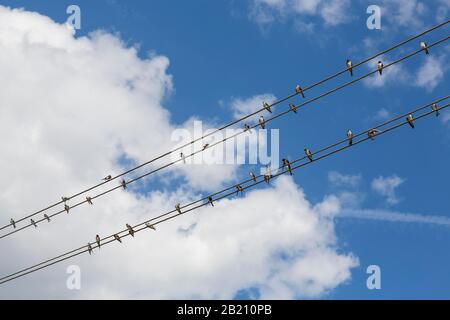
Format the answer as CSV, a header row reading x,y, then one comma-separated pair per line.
x,y
68,208
225,126
167,216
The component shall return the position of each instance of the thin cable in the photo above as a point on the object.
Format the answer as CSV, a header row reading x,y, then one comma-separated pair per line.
x,y
137,228
227,125
227,138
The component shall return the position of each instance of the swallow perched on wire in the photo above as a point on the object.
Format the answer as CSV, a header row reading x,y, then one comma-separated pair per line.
x,y
372,133
183,157
89,248
210,201
350,137
130,230
116,236
33,223
292,107
298,89
434,107
267,106
47,217
66,208
350,67
267,175
287,165
309,154
65,199
252,175
262,122
410,120
97,239
89,200
247,128
123,183
424,47
107,178
150,226
178,208
13,223
380,67
239,189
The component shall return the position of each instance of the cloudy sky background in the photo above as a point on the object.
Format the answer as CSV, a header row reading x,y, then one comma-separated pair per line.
x,y
75,108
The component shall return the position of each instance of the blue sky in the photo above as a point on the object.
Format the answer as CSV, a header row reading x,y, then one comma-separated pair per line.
x,y
219,51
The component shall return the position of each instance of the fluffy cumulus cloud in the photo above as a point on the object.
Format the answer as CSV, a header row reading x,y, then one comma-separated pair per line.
x,y
344,180
329,12
386,186
76,109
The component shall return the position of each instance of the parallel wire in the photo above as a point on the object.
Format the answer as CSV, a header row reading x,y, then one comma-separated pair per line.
x,y
227,138
229,124
166,217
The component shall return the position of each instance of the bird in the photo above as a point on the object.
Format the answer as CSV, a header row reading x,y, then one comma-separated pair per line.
x,y
247,128
350,66
435,109
262,122
177,206
309,154
205,146
239,189
410,120
66,208
107,178
252,175
13,223
47,217
424,47
266,106
210,200
89,200
97,239
287,165
380,67
350,137
267,175
64,199
293,107
89,248
130,230
183,157
298,89
150,226
123,183
371,133
117,238
33,223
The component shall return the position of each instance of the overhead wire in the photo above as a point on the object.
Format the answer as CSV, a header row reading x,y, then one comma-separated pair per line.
x,y
167,216
140,177
225,126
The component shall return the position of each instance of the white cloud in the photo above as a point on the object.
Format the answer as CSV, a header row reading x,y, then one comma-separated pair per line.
x,y
392,216
331,12
431,72
244,106
71,107
386,186
343,180
382,114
